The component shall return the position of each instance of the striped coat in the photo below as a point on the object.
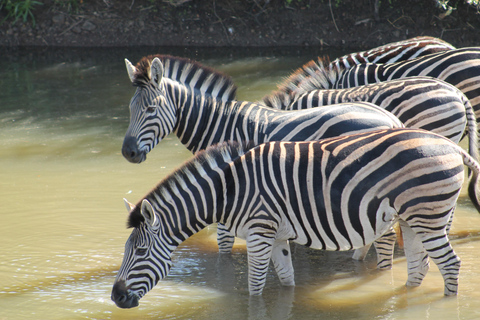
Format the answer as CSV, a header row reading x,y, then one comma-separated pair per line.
x,y
393,52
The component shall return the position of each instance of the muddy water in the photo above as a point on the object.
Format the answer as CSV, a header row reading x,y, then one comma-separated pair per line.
x,y
63,114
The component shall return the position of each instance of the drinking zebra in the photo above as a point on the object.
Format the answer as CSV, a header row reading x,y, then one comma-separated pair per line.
x,y
161,105
396,51
335,194
459,67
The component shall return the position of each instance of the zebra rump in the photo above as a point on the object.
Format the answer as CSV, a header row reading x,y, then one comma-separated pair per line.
x,y
334,194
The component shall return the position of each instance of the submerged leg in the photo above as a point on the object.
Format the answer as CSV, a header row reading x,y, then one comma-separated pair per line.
x,y
441,252
282,261
225,239
384,247
417,258
360,253
259,250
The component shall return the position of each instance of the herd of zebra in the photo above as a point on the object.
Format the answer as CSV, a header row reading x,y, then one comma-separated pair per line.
x,y
334,158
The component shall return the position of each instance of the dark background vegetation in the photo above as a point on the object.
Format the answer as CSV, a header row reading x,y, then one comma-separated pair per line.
x,y
332,23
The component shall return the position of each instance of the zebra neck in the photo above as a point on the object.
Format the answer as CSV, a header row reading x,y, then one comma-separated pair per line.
x,y
189,200
203,121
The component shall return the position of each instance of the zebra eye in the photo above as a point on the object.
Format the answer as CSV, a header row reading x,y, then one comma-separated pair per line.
x,y
141,251
150,110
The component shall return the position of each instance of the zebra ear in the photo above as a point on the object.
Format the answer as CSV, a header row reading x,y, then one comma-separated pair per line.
x,y
149,214
130,69
128,205
156,72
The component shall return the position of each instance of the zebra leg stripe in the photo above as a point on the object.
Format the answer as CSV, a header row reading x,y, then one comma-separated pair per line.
x,y
282,262
384,247
225,239
259,250
417,258
441,252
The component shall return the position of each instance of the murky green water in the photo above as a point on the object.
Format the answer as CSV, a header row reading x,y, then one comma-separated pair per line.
x,y
63,114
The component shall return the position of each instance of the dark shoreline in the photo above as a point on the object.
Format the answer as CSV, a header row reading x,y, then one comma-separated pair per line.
x,y
229,23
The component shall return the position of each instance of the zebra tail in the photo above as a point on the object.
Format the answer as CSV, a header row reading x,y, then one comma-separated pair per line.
x,y
472,129
473,185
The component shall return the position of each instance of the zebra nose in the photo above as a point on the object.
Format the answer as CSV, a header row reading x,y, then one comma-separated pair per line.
x,y
121,297
130,150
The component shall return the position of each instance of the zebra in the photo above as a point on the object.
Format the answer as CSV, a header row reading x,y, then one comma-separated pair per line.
x,y
459,67
419,102
396,51
334,194
161,106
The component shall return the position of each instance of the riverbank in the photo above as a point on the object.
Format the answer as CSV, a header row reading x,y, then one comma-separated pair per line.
x,y
240,23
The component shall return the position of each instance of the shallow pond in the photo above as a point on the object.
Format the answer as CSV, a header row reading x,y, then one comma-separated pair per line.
x,y
63,114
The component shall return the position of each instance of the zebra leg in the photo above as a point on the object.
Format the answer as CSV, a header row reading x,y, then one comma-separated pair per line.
x,y
384,247
417,258
441,252
282,261
360,253
260,241
225,239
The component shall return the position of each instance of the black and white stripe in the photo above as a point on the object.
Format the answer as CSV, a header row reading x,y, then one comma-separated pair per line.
x,y
396,51
388,53
336,194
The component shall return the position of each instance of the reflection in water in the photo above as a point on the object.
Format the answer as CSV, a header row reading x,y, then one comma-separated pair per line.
x,y
62,119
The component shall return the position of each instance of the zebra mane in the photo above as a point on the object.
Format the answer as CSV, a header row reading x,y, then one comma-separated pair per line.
x,y
320,74
189,73
216,156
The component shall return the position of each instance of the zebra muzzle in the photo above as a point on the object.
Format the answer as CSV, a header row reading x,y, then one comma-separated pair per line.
x,y
131,152
123,297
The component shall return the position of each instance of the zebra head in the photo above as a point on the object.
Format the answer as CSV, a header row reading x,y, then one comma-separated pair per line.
x,y
147,257
152,118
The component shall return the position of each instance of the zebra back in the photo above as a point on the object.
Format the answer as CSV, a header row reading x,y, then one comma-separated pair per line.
x,y
187,72
395,51
323,73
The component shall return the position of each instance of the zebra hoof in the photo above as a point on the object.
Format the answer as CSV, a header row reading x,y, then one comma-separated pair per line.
x,y
413,283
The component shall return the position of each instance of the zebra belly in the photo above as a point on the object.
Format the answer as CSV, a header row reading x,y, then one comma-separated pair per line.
x,y
385,217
